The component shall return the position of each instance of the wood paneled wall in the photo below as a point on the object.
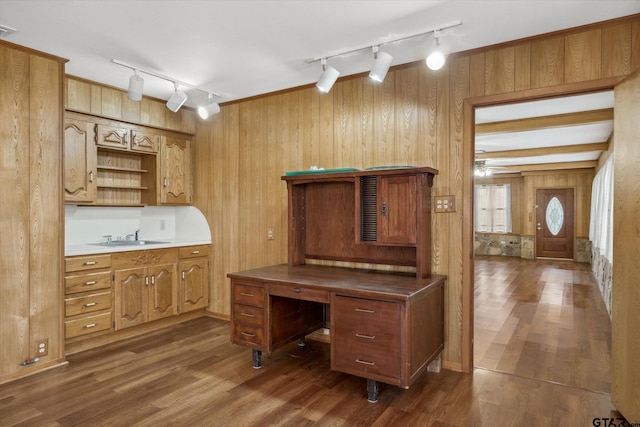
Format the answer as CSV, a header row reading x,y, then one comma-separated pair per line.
x,y
580,180
92,98
416,117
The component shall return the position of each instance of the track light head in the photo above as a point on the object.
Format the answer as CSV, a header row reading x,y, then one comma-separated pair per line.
x,y
328,77
136,83
177,99
381,65
206,111
437,58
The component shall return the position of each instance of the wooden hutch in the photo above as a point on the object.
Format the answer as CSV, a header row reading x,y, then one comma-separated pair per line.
x,y
385,326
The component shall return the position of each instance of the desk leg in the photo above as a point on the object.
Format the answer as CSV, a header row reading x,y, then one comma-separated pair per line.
x,y
372,390
257,359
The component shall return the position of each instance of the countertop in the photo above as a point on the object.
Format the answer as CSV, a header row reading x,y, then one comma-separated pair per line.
x,y
90,249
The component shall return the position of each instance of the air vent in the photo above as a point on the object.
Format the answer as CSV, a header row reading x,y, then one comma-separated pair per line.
x,y
6,31
368,209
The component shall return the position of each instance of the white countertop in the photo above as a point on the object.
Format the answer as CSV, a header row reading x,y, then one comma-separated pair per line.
x,y
91,249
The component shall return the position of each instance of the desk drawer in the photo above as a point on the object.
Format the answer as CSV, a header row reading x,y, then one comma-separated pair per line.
x,y
296,292
248,315
247,334
365,336
87,325
87,282
87,303
249,295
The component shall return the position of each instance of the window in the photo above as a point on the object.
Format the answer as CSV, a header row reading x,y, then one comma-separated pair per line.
x,y
492,208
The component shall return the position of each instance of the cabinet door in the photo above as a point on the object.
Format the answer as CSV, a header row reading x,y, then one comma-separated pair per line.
x,y
397,210
194,284
132,297
163,286
111,136
175,171
80,176
145,141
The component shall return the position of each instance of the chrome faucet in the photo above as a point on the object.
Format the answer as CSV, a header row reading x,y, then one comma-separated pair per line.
x,y
137,234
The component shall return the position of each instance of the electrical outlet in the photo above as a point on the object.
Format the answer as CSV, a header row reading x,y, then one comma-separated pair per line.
x,y
163,225
42,347
445,204
270,234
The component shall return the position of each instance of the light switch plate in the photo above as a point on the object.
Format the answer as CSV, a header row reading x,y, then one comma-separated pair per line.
x,y
444,204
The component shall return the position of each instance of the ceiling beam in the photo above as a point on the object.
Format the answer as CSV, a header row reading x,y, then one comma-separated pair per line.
x,y
558,120
548,166
543,151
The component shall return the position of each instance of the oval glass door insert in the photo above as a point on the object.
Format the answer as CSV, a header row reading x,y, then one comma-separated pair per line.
x,y
555,216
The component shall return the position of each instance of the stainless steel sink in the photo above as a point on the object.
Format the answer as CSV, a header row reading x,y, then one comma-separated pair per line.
x,y
116,243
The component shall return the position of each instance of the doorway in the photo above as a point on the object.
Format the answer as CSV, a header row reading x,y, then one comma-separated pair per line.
x,y
470,106
555,221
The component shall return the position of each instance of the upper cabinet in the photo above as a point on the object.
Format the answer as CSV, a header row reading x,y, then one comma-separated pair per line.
x,y
175,167
120,164
80,176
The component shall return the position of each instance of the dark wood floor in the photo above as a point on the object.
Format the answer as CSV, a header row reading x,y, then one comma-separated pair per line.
x,y
190,375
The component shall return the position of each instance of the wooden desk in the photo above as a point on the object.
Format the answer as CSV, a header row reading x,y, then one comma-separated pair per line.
x,y
384,327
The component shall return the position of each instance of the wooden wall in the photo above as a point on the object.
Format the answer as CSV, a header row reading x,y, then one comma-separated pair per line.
x,y
89,97
416,117
580,180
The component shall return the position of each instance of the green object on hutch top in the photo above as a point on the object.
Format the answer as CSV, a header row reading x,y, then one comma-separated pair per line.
x,y
315,171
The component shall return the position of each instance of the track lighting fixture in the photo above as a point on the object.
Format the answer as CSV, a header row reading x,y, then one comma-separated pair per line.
x,y
328,77
381,64
383,60
136,83
206,111
437,58
177,99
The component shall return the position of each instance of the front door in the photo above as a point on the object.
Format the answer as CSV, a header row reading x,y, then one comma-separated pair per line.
x,y
554,223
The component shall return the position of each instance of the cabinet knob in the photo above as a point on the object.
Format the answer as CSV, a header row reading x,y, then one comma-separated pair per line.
x,y
164,182
383,209
91,304
90,176
89,325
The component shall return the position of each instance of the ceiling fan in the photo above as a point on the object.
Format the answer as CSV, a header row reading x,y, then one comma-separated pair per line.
x,y
481,169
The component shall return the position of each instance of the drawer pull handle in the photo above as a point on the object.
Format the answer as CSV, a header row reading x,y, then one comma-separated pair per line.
x,y
247,314
247,334
195,252
92,282
89,263
369,337
297,290
90,304
90,325
364,362
244,294
364,310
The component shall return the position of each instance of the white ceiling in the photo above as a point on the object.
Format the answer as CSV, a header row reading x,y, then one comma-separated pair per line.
x,y
244,48
545,137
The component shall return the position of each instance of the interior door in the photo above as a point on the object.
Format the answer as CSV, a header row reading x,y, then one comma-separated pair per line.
x,y
625,339
554,223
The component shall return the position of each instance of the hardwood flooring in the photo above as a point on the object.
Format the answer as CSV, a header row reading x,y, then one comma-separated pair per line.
x,y
190,375
542,319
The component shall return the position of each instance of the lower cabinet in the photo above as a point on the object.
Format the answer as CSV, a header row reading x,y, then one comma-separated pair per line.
x,y
88,298
105,293
194,278
145,286
144,294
